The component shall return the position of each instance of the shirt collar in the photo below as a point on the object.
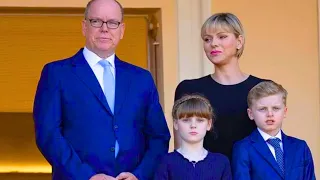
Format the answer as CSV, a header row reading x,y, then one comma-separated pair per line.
x,y
267,136
93,58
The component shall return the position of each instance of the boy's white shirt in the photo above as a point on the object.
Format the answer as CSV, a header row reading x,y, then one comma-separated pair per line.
x,y
266,136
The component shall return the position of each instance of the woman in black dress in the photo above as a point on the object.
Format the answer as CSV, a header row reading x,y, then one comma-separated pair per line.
x,y
227,88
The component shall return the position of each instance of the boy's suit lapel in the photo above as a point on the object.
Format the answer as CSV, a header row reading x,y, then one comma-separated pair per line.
x,y
262,148
289,150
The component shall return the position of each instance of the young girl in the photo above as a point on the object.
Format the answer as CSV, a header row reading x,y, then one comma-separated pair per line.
x,y
193,117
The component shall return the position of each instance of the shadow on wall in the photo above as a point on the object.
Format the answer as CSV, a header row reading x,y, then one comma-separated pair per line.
x,y
25,176
17,142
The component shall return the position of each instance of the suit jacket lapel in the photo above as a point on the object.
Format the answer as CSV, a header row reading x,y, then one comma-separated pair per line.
x,y
289,152
123,80
262,148
81,68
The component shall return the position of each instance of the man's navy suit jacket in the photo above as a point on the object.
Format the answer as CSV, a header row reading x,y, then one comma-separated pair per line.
x,y
76,131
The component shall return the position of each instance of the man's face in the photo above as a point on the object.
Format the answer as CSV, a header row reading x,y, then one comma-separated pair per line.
x,y
103,41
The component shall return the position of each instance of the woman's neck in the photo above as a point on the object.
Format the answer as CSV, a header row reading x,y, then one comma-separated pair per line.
x,y
193,152
229,74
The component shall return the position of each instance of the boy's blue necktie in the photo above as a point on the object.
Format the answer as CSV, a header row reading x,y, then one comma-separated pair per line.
x,y
109,90
275,143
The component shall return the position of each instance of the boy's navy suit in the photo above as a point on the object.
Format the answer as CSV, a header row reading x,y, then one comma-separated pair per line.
x,y
252,159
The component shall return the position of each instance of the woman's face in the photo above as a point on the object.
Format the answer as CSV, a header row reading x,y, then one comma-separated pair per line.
x,y
221,46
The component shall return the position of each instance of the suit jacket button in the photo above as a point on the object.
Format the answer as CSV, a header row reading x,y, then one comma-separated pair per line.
x,y
112,149
115,127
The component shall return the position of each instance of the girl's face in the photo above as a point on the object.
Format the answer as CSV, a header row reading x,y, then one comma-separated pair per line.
x,y
192,130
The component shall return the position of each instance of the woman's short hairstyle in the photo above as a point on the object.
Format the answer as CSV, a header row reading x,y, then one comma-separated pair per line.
x,y
227,22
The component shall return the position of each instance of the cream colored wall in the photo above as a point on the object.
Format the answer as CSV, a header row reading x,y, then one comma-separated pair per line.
x,y
282,45
169,36
191,14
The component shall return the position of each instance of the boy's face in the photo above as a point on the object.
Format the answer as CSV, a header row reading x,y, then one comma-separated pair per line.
x,y
192,130
268,113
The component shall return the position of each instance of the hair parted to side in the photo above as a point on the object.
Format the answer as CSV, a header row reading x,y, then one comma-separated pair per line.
x,y
264,89
192,105
86,12
227,22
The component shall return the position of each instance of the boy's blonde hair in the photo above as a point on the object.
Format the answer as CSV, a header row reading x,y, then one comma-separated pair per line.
x,y
225,21
264,89
192,105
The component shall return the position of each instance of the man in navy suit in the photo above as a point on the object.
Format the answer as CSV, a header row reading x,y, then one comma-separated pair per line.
x,y
268,153
97,117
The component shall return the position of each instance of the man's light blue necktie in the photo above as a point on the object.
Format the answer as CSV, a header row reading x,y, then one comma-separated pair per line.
x,y
109,90
275,143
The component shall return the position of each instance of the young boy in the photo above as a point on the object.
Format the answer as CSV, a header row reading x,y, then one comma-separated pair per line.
x,y
267,153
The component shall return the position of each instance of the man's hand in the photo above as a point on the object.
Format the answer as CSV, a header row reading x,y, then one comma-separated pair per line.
x,y
102,177
126,176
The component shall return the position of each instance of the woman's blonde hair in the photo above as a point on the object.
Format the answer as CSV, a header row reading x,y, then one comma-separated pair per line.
x,y
225,21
